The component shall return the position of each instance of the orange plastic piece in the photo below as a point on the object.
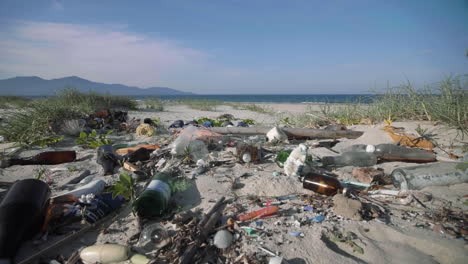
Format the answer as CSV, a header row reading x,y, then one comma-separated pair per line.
x,y
130,167
124,151
207,136
407,140
259,213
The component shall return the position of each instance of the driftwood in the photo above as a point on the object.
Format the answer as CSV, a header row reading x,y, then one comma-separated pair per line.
x,y
290,132
206,225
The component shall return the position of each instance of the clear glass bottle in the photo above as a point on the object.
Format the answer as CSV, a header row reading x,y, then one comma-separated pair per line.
x,y
391,152
152,237
434,174
360,148
355,158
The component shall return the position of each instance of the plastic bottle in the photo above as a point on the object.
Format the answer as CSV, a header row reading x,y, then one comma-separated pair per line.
x,y
360,148
154,200
393,152
187,140
107,159
93,187
296,160
139,259
198,150
152,237
358,159
22,213
321,184
259,213
105,253
441,173
45,158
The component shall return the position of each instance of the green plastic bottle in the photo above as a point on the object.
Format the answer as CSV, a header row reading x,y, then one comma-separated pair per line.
x,y
154,200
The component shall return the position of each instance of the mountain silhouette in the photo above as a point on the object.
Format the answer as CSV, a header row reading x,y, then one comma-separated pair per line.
x,y
36,86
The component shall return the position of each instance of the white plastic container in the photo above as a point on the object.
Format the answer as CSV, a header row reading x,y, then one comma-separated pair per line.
x,y
276,135
105,253
296,161
94,187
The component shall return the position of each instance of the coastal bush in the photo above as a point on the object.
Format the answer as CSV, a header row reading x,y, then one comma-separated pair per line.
x,y
34,123
252,107
216,123
7,102
201,104
93,139
154,104
92,100
445,102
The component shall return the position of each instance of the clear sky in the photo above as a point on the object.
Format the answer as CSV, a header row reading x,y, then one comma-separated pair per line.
x,y
237,46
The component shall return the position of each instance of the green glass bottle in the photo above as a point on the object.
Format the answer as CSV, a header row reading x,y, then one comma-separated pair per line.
x,y
154,200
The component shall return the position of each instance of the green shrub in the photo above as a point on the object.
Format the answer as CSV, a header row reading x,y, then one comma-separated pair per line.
x,y
216,123
201,104
93,140
35,122
124,186
446,101
154,104
13,102
251,107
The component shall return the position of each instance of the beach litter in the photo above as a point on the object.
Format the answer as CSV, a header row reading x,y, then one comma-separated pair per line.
x,y
214,193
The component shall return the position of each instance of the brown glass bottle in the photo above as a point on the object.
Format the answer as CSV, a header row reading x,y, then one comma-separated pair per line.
x,y
321,183
46,158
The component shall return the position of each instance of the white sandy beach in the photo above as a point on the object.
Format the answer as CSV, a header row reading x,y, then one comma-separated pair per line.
x,y
400,240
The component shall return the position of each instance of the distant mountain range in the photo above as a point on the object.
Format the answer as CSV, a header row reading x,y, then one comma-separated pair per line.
x,y
35,86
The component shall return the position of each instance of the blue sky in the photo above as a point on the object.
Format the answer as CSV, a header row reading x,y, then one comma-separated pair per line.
x,y
234,46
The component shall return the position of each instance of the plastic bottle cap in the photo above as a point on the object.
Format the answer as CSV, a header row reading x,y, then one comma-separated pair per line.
x,y
201,163
370,148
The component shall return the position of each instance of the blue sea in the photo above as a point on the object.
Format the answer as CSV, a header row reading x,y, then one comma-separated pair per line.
x,y
276,98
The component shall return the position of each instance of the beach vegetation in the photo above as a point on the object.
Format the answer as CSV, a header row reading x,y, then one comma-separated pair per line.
x,y
7,102
248,121
34,123
154,104
216,123
45,141
258,108
125,186
443,102
201,104
93,139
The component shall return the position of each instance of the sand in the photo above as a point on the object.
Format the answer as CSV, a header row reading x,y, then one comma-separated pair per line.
x,y
398,239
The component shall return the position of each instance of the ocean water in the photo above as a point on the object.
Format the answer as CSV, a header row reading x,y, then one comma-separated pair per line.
x,y
276,98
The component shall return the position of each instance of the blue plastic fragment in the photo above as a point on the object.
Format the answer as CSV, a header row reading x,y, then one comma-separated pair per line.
x,y
286,197
317,219
258,223
308,208
208,124
295,233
